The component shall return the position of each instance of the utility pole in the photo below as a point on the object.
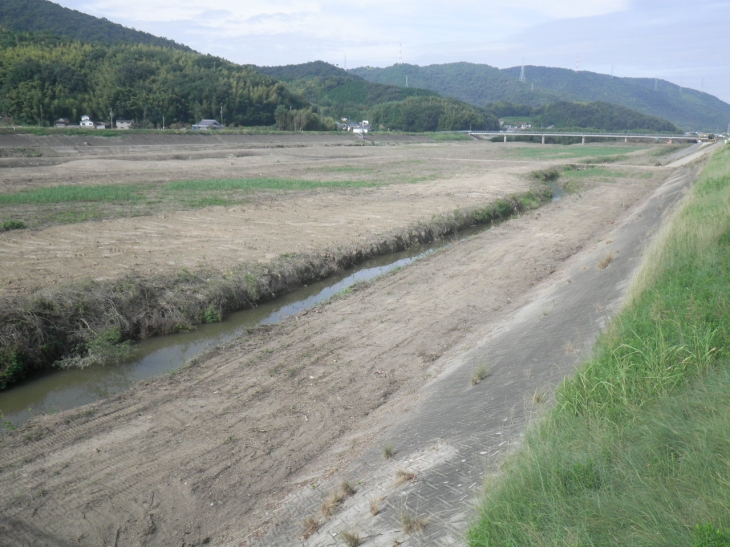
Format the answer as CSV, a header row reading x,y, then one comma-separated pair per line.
x,y
163,122
221,114
111,119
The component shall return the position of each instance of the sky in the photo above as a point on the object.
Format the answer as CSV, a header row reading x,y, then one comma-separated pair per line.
x,y
684,42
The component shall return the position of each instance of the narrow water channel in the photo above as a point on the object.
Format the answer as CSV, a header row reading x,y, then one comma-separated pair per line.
x,y
64,389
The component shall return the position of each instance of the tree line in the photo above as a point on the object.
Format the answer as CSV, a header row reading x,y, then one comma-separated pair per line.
x,y
45,77
596,115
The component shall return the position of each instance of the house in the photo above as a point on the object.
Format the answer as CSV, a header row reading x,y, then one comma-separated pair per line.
x,y
207,125
101,125
124,124
359,128
87,123
62,122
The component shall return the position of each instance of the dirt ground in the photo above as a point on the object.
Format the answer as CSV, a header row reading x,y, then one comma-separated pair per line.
x,y
418,181
204,455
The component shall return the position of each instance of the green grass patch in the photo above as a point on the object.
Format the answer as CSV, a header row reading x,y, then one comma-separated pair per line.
x,y
8,225
446,137
69,193
571,151
593,172
228,185
637,450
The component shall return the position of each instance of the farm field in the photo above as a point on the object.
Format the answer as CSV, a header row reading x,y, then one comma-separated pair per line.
x,y
214,451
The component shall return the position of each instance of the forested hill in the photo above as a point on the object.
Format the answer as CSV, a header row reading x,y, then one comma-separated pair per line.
x,y
42,15
586,116
43,78
482,84
337,92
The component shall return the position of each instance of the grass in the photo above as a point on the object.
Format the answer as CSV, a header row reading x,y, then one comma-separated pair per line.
x,y
310,525
412,523
605,261
571,151
402,476
335,498
70,203
636,451
388,452
480,372
445,137
8,225
351,539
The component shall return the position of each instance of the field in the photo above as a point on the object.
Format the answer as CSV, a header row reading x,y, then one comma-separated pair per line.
x,y
213,451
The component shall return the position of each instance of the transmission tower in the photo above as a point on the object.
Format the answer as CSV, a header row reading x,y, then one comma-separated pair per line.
x,y
400,54
577,63
522,74
655,83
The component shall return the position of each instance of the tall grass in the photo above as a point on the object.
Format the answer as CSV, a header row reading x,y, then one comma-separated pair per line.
x,y
637,449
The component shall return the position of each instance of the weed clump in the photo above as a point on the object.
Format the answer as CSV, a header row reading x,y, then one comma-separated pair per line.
x,y
8,225
351,539
402,476
480,372
412,523
388,452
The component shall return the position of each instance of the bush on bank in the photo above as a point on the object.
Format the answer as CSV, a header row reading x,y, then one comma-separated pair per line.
x,y
637,449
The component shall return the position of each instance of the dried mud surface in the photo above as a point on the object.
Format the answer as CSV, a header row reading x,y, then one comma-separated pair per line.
x,y
204,455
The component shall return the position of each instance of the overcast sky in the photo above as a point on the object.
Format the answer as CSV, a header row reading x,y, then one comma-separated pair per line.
x,y
685,42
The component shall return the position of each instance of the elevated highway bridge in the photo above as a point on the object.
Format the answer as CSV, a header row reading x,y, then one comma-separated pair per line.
x,y
584,136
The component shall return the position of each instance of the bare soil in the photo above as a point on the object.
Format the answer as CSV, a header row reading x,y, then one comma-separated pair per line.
x,y
204,455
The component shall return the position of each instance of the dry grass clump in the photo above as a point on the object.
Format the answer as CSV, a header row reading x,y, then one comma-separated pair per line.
x,y
605,261
388,452
351,539
539,397
309,526
480,372
375,506
412,523
332,502
403,476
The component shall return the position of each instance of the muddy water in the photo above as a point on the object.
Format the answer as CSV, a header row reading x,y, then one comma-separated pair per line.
x,y
65,389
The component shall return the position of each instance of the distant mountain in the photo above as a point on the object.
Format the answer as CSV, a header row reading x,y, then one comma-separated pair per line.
x,y
42,15
337,92
481,85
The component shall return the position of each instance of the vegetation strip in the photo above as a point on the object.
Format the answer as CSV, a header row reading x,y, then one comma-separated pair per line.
x,y
636,450
92,322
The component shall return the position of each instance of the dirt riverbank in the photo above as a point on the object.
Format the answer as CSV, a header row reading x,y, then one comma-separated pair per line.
x,y
204,455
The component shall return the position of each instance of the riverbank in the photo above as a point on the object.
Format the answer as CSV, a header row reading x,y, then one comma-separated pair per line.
x,y
635,451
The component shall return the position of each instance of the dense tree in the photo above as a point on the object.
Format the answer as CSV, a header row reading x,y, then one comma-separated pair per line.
x,y
431,114
44,78
42,15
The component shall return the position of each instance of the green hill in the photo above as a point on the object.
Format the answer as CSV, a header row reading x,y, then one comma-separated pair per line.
x,y
43,78
337,92
593,116
482,84
42,15
431,114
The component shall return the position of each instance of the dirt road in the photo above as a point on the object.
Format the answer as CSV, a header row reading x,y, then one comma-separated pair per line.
x,y
208,454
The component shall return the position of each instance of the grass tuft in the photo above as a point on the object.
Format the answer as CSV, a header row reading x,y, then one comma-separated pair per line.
x,y
402,476
389,452
412,523
351,539
605,261
480,372
310,525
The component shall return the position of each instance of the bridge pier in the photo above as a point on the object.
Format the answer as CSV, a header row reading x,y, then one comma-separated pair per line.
x,y
505,138
583,140
626,139
543,139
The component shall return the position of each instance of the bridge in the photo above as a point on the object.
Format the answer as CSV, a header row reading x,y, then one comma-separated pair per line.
x,y
584,136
